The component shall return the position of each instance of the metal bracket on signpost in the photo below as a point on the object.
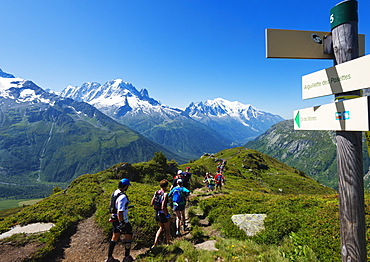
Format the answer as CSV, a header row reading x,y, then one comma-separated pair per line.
x,y
328,45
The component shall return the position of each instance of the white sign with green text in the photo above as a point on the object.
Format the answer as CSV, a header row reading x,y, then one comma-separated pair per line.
x,y
348,76
347,115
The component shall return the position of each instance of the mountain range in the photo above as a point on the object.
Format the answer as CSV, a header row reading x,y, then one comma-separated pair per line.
x,y
48,138
202,127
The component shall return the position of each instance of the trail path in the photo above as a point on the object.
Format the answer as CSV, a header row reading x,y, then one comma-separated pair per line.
x,y
88,243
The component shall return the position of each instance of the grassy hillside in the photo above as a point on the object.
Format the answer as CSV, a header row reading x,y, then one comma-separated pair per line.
x,y
302,215
314,152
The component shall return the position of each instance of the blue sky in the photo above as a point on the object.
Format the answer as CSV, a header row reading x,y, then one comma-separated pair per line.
x,y
182,51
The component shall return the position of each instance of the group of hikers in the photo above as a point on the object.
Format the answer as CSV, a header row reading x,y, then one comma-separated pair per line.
x,y
179,193
215,182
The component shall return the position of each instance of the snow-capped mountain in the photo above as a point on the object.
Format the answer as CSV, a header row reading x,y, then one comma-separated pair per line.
x,y
223,108
240,122
47,138
115,98
169,127
23,91
232,122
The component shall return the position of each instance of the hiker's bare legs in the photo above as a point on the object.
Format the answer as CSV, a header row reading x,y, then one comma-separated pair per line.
x,y
178,219
163,227
167,232
158,234
183,218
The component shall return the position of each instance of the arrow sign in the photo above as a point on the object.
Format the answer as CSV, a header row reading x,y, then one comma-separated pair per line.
x,y
297,120
347,115
348,76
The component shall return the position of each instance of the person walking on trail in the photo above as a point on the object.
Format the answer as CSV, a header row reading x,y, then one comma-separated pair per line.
x,y
179,175
162,216
179,194
186,178
120,222
220,179
210,182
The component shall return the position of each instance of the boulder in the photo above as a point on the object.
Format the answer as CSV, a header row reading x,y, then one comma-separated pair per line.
x,y
250,223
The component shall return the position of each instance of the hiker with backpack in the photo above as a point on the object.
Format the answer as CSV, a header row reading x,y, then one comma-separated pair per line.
x,y
162,216
220,179
120,223
175,178
210,182
186,178
179,195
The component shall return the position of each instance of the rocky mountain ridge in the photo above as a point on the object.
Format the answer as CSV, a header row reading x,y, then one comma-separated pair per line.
x,y
219,122
46,138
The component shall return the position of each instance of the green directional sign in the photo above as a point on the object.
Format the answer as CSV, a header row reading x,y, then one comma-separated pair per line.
x,y
297,120
343,12
347,115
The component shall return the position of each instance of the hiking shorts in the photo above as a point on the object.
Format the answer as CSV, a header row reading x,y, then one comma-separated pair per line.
x,y
211,187
126,230
178,207
161,217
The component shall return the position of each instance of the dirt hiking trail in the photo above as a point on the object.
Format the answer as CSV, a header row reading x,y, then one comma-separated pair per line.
x,y
87,242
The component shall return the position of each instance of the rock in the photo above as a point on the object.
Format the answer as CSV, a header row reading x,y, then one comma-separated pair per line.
x,y
28,229
250,223
207,245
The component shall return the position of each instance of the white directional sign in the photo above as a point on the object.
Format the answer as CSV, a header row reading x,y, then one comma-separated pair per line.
x,y
347,115
348,76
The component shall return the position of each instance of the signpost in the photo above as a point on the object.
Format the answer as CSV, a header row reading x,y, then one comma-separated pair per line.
x,y
347,115
348,76
344,25
302,44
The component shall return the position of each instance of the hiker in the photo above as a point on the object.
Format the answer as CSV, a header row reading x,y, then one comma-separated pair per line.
x,y
186,178
220,179
179,195
120,222
162,216
210,182
175,178
206,179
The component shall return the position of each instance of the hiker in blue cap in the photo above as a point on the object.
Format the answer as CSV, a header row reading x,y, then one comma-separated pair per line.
x,y
120,223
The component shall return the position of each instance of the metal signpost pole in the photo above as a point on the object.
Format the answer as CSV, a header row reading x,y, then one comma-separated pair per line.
x,y
344,24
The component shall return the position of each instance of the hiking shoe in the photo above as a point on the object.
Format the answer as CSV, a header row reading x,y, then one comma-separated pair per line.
x,y
178,233
111,259
128,259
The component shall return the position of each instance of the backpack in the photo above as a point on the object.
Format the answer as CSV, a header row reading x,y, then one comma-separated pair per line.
x,y
178,195
112,206
219,178
158,199
211,181
186,178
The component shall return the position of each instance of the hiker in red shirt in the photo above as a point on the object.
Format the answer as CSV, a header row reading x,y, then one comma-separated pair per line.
x,y
220,179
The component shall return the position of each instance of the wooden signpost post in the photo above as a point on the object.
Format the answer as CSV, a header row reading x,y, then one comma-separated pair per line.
x,y
344,25
349,116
